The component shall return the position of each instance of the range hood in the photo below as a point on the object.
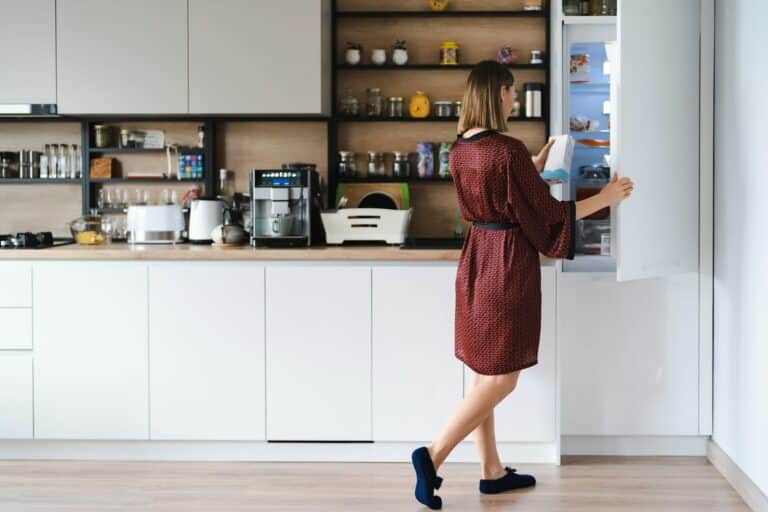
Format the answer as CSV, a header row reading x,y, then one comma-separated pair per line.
x,y
28,109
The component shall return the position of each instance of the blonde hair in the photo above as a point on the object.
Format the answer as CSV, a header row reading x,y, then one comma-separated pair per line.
x,y
481,106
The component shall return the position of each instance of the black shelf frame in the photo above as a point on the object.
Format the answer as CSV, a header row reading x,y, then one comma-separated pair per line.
x,y
90,185
339,67
442,14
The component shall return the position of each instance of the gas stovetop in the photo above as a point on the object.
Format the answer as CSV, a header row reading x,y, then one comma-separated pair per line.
x,y
27,240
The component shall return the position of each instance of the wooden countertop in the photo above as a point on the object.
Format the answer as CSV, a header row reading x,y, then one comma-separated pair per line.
x,y
182,252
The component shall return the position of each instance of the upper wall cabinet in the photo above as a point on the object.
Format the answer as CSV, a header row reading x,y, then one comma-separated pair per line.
x,y
122,57
28,51
264,57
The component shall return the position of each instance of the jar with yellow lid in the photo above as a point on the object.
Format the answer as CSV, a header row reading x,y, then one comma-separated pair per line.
x,y
449,53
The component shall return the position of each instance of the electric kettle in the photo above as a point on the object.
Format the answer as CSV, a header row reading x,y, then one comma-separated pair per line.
x,y
204,215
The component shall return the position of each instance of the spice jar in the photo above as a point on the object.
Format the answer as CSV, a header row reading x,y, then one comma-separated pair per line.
x,y
374,103
443,108
457,108
395,107
125,138
347,167
401,167
449,53
102,136
348,105
376,165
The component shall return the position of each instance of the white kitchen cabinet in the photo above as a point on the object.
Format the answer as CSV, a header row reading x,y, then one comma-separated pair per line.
x,y
206,325
91,357
16,328
27,51
417,380
16,289
529,413
318,350
122,57
629,355
265,57
15,394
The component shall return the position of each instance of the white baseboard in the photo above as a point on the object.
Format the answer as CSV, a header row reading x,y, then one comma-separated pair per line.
x,y
634,445
258,451
747,489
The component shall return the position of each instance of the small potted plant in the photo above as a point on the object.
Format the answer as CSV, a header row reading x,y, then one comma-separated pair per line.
x,y
353,53
399,53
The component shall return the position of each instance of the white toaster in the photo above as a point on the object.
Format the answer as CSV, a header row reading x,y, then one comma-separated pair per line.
x,y
156,224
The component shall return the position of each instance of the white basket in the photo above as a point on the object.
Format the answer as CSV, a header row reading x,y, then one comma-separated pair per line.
x,y
366,224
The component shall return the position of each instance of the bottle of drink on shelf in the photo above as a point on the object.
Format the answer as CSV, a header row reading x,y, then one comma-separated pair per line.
x,y
63,163
53,165
75,162
44,161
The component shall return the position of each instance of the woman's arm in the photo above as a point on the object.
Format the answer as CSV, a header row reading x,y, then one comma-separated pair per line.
x,y
616,191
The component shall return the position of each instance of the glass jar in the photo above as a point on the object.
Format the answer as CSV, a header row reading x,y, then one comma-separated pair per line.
x,y
101,135
456,108
374,103
443,108
571,7
348,105
395,107
347,167
401,166
449,53
376,164
585,7
444,171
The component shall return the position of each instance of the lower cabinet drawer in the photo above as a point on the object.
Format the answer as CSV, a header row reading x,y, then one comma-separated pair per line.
x,y
17,328
16,395
15,284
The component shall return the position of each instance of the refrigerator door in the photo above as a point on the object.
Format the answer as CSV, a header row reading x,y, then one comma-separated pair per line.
x,y
655,137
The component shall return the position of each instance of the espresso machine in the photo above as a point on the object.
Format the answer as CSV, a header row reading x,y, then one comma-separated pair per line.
x,y
285,207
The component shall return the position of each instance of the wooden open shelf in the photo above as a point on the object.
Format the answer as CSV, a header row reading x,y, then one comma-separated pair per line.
x,y
393,179
40,181
441,67
441,14
183,151
431,119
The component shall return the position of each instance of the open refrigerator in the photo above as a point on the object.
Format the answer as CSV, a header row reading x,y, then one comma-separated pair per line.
x,y
588,52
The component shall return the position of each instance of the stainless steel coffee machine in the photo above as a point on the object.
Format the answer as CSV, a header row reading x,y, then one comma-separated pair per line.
x,y
285,206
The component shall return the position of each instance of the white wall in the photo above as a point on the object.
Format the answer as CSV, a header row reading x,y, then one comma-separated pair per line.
x,y
741,235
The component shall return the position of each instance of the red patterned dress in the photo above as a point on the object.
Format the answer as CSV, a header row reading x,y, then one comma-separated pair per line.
x,y
498,283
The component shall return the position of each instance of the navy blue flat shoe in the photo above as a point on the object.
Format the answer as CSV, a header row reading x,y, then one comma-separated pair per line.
x,y
512,480
427,480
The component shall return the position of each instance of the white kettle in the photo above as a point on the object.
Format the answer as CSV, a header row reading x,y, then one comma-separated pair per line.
x,y
204,215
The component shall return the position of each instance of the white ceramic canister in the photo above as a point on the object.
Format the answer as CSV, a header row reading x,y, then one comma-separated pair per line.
x,y
400,56
379,56
352,56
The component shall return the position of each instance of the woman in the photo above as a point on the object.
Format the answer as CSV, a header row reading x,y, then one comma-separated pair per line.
x,y
498,283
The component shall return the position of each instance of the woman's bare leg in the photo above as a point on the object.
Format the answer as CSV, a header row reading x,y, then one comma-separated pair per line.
x,y
485,441
470,413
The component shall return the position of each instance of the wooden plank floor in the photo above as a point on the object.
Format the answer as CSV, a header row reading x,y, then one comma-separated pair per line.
x,y
588,484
